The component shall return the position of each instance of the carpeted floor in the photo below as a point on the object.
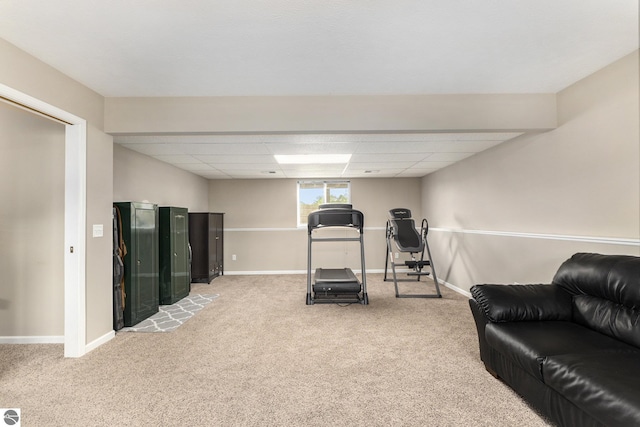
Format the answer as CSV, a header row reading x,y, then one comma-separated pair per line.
x,y
258,356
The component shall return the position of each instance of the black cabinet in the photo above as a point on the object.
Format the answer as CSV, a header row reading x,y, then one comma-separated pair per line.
x,y
141,268
174,254
206,238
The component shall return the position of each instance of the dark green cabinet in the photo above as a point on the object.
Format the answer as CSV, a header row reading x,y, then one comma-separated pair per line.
x,y
206,237
174,254
141,262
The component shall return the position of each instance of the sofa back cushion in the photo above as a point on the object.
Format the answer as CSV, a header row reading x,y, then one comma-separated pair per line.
x,y
606,293
607,317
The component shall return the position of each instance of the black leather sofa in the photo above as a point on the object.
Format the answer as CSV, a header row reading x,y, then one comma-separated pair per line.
x,y
570,348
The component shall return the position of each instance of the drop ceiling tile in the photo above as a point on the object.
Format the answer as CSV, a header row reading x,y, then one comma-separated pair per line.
x,y
214,174
155,149
195,167
224,149
178,158
413,173
431,165
397,147
313,174
244,167
466,146
312,168
447,157
382,165
313,148
254,175
374,173
237,158
389,157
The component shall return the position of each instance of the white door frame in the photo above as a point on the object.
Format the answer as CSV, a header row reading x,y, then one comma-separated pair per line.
x,y
75,218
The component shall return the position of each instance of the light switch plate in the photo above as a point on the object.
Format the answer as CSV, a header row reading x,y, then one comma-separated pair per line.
x,y
98,230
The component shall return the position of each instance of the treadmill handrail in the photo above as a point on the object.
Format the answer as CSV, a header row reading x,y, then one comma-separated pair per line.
x,y
335,217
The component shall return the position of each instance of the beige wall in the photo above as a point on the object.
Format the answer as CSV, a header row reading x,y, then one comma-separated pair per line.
x,y
265,239
31,224
140,178
581,179
35,173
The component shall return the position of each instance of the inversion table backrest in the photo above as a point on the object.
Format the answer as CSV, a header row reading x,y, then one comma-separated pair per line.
x,y
405,234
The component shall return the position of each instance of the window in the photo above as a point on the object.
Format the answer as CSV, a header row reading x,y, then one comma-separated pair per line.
x,y
311,194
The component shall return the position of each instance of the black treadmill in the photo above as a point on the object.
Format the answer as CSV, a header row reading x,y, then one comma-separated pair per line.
x,y
336,285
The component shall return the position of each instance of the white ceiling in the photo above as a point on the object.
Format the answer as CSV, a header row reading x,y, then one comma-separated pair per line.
x,y
320,47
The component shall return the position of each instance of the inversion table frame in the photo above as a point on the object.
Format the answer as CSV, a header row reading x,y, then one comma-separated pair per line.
x,y
401,229
336,285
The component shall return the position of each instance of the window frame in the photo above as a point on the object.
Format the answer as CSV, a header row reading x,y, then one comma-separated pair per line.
x,y
326,185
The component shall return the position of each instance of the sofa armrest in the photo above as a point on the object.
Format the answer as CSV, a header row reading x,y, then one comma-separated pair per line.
x,y
511,303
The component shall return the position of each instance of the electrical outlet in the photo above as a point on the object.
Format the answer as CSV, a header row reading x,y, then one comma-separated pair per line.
x,y
233,257
397,255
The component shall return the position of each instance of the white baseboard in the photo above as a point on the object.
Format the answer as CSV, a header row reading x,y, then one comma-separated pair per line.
x,y
53,339
57,340
99,341
263,273
271,272
455,288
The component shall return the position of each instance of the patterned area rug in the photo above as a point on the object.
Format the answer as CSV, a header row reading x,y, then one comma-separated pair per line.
x,y
171,316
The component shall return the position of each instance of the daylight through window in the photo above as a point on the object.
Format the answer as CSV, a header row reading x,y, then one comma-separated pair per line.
x,y
311,194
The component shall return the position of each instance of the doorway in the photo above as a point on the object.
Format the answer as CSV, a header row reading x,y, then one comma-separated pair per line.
x,y
74,246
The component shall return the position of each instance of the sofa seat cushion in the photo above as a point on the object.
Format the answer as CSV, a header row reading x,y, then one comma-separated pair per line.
x,y
528,343
603,384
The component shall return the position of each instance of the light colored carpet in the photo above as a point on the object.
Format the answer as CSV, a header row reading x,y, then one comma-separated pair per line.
x,y
170,317
258,356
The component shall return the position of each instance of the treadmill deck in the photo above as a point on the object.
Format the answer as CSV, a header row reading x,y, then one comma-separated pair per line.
x,y
335,281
